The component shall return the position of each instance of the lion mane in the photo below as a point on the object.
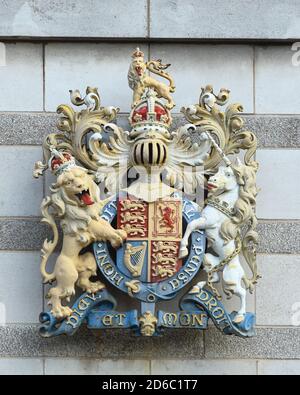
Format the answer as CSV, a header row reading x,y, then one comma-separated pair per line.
x,y
74,219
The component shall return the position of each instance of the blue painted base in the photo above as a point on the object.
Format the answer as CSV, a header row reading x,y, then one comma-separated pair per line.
x,y
98,312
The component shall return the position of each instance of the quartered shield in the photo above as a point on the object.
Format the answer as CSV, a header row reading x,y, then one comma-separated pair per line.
x,y
147,266
154,231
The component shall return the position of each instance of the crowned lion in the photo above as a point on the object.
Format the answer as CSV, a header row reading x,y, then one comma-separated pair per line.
x,y
139,80
75,201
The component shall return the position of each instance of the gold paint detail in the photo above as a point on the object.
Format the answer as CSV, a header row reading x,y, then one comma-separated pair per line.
x,y
136,230
133,287
148,324
134,258
139,80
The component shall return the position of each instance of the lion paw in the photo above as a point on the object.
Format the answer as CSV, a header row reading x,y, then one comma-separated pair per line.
x,y
61,312
95,287
184,252
117,242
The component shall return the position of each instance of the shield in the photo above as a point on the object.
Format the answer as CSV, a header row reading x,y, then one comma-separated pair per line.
x,y
147,266
154,231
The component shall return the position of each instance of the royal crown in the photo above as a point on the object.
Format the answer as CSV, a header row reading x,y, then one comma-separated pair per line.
x,y
138,54
60,162
150,114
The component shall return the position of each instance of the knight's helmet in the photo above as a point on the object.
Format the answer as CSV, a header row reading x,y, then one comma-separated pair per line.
x,y
150,120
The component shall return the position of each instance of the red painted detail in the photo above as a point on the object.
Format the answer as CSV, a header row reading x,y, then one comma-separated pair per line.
x,y
86,198
168,217
57,162
166,254
134,214
143,112
160,112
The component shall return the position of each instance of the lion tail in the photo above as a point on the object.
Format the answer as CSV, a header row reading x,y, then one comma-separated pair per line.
x,y
156,67
49,245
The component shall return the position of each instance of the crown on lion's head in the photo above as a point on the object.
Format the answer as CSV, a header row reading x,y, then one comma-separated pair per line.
x,y
61,161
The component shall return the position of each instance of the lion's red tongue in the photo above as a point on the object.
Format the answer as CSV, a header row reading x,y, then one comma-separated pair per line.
x,y
139,71
87,200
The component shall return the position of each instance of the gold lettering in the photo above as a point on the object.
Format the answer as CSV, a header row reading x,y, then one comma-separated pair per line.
x,y
73,321
203,296
108,270
189,269
102,260
107,320
197,319
198,250
216,315
121,318
174,283
196,261
91,297
80,315
83,305
183,277
170,319
211,304
117,278
185,319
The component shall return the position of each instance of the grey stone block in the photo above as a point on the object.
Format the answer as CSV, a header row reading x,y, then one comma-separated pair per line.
x,y
22,234
275,305
279,368
269,343
203,367
233,19
275,131
31,128
279,237
21,194
21,367
29,234
89,19
277,79
278,179
21,77
20,271
62,367
26,128
24,341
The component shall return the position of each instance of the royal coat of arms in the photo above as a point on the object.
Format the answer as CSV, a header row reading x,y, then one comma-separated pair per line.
x,y
162,215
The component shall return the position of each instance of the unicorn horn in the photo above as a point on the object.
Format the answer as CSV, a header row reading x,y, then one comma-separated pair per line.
x,y
219,150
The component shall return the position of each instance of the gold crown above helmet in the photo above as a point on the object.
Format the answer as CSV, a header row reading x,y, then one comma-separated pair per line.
x,y
150,114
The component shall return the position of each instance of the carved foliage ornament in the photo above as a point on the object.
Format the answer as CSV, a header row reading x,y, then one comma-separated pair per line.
x,y
153,236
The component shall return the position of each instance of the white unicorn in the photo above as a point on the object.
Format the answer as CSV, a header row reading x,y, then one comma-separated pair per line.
x,y
230,206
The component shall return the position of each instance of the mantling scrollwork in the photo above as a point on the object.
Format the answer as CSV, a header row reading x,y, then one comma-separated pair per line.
x,y
227,127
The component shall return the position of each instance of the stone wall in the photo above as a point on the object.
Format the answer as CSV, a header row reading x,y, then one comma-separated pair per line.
x,y
242,45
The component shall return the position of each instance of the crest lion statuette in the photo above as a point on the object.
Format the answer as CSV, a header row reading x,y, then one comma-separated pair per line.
x,y
126,212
